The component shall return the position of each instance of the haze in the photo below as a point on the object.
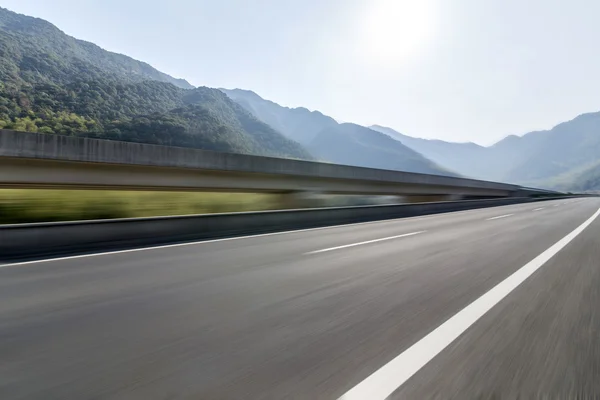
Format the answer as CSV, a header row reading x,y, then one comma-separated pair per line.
x,y
458,70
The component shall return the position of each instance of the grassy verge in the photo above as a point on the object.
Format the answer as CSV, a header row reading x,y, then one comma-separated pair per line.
x,y
23,206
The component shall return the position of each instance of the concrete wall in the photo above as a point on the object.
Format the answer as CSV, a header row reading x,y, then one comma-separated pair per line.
x,y
24,241
38,160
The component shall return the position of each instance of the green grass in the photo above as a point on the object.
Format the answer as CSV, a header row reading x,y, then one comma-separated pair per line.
x,y
29,205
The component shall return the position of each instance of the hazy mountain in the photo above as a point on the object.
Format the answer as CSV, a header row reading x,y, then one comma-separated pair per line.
x,y
556,158
298,124
53,83
328,140
458,157
472,160
564,157
586,178
542,158
353,144
567,147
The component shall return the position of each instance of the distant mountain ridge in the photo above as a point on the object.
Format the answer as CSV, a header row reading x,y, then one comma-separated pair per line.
x,y
566,147
298,124
556,158
329,140
458,157
352,144
562,156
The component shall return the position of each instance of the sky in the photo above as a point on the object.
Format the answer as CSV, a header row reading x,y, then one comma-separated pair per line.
x,y
456,70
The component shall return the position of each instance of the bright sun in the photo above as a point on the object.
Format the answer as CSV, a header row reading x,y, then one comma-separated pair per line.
x,y
395,30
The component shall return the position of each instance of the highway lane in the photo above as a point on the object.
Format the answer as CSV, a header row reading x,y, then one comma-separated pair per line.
x,y
540,342
269,317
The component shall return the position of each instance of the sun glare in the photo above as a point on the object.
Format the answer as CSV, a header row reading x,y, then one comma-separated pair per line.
x,y
394,30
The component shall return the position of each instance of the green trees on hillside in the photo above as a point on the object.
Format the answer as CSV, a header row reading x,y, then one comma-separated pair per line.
x,y
62,123
52,83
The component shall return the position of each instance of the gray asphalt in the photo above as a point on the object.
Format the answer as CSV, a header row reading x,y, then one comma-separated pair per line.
x,y
267,318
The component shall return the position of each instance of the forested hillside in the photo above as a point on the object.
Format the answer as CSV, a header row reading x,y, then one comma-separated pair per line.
x,y
53,83
34,50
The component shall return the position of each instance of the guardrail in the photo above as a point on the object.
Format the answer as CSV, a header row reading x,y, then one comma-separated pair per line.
x,y
23,241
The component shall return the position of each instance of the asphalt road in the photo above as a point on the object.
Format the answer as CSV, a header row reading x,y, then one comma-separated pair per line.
x,y
317,314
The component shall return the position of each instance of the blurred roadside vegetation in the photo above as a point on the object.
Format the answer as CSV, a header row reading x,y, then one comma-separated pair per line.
x,y
42,205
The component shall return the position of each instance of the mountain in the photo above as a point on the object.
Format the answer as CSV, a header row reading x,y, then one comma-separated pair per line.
x,y
298,124
586,180
53,83
458,157
353,144
331,141
582,179
565,157
40,48
565,148
555,158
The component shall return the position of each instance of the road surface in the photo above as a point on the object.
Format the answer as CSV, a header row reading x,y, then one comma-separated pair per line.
x,y
356,312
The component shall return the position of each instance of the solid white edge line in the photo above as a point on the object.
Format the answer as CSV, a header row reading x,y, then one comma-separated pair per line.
x,y
392,375
499,216
365,242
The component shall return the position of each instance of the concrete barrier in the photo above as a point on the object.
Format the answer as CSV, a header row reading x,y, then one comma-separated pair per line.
x,y
32,160
28,241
